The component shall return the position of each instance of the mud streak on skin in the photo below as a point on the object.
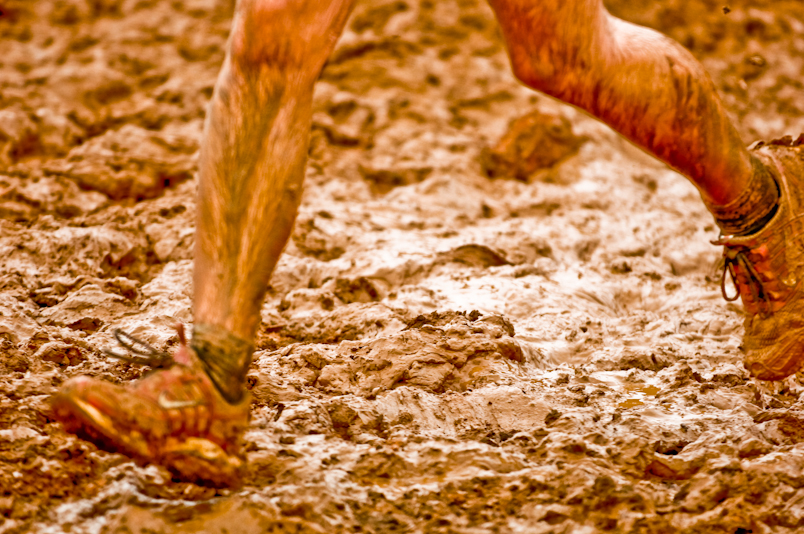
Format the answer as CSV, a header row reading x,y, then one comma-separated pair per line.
x,y
254,153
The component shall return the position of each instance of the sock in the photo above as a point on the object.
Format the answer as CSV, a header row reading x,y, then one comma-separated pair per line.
x,y
755,206
225,358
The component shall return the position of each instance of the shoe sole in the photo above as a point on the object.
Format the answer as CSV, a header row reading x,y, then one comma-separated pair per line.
x,y
781,363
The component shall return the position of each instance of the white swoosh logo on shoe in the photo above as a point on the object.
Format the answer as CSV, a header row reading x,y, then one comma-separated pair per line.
x,y
168,404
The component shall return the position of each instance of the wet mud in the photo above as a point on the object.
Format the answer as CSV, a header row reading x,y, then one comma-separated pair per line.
x,y
494,315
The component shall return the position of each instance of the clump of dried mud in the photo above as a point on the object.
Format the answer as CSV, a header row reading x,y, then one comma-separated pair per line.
x,y
494,314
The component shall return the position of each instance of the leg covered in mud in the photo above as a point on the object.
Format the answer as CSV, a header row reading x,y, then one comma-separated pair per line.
x,y
650,89
252,165
647,87
191,416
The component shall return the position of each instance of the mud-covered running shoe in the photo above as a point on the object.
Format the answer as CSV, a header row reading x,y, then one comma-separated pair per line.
x,y
173,417
767,269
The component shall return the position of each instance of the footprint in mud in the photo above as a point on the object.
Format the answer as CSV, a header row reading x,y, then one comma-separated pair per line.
x,y
437,352
448,373
441,352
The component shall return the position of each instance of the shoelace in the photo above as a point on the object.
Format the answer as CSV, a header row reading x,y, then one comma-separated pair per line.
x,y
732,258
140,352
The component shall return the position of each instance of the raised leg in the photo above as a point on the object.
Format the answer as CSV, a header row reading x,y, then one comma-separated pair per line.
x,y
647,87
653,91
253,157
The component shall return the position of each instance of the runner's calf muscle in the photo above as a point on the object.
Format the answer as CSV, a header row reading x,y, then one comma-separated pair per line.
x,y
643,84
294,37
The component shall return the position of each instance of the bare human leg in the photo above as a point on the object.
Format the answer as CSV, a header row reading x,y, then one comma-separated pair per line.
x,y
655,93
191,416
252,165
647,87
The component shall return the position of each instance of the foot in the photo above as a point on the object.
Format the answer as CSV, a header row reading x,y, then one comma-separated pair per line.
x,y
767,269
174,417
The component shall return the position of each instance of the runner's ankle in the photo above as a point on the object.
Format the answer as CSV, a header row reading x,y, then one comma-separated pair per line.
x,y
752,210
225,358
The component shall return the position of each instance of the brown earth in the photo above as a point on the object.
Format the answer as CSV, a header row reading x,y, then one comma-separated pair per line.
x,y
495,315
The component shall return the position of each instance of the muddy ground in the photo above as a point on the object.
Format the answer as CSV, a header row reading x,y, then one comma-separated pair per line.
x,y
495,315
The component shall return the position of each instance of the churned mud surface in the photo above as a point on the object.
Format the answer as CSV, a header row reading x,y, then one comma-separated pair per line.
x,y
495,315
